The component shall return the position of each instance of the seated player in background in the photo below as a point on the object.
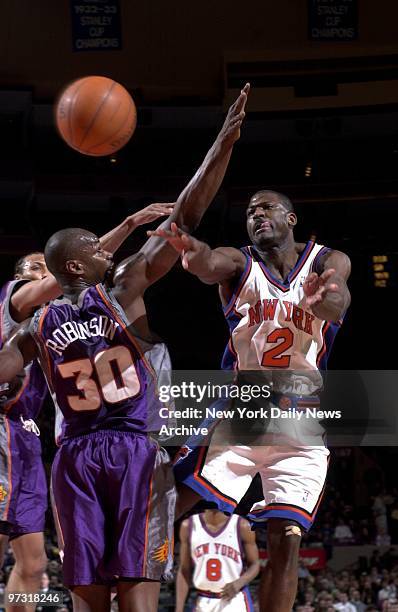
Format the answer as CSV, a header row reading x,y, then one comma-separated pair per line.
x,y
23,486
112,486
219,557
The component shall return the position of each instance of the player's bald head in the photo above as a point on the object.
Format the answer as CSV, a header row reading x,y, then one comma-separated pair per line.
x,y
67,244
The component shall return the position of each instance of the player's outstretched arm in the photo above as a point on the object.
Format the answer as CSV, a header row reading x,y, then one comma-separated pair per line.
x,y
184,569
156,257
115,238
211,266
17,353
32,294
195,199
327,292
248,539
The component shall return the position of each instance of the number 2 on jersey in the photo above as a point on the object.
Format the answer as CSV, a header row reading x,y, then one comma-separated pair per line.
x,y
273,358
120,358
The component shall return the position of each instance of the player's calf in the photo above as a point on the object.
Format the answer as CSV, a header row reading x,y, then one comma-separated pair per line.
x,y
278,583
30,563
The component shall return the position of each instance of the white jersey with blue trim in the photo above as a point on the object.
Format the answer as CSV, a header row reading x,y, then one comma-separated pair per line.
x,y
217,556
273,329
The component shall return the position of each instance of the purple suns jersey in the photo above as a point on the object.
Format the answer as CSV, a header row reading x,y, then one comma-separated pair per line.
x,y
95,368
28,400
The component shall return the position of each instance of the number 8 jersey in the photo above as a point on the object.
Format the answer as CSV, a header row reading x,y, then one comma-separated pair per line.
x,y
272,328
216,556
95,368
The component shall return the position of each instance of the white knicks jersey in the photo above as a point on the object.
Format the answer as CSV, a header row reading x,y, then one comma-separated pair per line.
x,y
271,327
217,556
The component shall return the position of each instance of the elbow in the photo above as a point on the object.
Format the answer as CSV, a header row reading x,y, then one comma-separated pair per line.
x,y
189,222
256,568
341,309
188,214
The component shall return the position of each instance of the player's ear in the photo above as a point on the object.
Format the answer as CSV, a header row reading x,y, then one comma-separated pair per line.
x,y
74,266
291,219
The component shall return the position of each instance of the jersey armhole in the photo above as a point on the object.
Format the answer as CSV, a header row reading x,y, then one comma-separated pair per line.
x,y
240,282
315,263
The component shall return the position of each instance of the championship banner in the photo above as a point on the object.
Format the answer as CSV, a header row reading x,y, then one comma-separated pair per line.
x,y
313,558
96,25
333,20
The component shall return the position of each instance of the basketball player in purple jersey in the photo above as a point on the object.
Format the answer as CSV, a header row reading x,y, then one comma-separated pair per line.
x,y
112,486
23,487
283,302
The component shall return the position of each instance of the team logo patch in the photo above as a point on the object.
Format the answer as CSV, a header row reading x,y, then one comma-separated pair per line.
x,y
182,453
162,552
3,493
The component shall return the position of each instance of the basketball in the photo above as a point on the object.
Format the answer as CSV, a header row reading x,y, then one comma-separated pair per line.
x,y
95,115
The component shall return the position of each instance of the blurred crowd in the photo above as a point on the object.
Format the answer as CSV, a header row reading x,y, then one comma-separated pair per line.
x,y
369,586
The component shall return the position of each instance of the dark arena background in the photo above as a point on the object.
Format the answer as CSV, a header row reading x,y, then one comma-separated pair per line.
x,y
321,127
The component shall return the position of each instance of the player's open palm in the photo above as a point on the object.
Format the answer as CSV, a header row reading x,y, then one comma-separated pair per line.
x,y
152,212
317,286
230,131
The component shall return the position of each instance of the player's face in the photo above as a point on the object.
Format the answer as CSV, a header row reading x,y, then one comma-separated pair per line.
x,y
97,262
33,268
268,221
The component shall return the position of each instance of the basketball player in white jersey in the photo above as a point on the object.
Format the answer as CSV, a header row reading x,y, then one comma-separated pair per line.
x,y
284,302
219,555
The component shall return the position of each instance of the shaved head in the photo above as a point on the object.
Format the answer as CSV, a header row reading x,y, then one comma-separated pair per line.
x,y
77,259
282,198
65,245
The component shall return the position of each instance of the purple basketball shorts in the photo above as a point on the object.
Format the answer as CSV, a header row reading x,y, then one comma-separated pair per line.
x,y
114,499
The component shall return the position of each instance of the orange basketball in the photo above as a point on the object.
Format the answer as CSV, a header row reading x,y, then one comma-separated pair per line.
x,y
95,115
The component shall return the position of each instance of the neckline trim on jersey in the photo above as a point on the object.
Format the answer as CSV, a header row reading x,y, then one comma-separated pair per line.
x,y
213,534
284,286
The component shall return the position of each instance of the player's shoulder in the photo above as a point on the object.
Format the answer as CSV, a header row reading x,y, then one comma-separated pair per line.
x,y
333,258
185,528
10,287
231,251
37,319
243,523
244,528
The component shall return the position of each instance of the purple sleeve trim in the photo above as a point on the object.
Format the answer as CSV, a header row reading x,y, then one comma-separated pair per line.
x,y
315,263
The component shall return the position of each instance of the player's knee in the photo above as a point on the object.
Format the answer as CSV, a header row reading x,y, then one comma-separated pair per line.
x,y
32,567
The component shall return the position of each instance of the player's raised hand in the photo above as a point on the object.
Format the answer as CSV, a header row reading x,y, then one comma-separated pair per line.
x,y
317,286
230,131
180,241
151,213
